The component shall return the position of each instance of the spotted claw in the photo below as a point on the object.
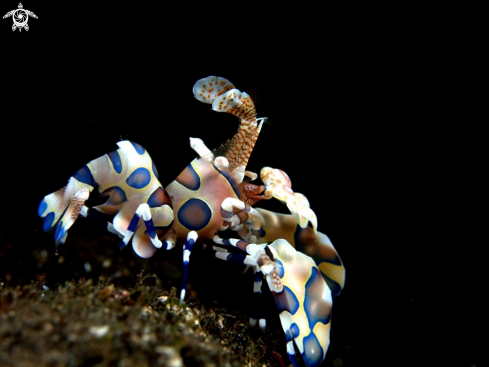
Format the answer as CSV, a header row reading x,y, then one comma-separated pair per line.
x,y
304,303
74,209
53,206
61,208
278,184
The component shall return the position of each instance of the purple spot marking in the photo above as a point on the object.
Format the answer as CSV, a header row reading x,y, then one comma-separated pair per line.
x,y
313,352
194,214
139,178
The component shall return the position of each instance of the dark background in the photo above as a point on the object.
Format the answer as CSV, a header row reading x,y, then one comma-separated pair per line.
x,y
351,107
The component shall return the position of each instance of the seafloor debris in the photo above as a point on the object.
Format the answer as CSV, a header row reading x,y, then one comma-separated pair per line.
x,y
82,323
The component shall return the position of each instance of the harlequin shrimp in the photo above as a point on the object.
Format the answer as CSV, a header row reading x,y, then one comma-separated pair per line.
x,y
213,193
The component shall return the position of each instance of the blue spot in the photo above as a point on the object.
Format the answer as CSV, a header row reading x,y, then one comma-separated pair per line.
x,y
118,196
48,222
286,301
60,232
189,178
139,178
155,171
280,269
157,198
234,185
316,308
42,208
194,214
85,175
115,158
292,333
138,148
313,352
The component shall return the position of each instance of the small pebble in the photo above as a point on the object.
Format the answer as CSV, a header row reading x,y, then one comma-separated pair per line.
x,y
173,357
72,338
99,331
146,310
88,267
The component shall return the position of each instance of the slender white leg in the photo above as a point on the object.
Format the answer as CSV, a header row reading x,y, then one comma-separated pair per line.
x,y
144,212
201,149
187,249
